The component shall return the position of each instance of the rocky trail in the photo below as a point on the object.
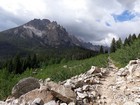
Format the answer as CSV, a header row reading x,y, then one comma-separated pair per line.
x,y
98,86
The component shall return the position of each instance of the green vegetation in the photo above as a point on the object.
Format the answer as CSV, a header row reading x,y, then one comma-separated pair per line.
x,y
127,53
57,72
59,67
129,50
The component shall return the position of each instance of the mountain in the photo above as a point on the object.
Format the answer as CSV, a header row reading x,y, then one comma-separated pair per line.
x,y
37,36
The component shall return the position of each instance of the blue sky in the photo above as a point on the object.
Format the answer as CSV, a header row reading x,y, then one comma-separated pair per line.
x,y
124,16
94,21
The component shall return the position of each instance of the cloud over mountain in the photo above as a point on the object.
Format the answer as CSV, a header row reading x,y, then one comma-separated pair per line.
x,y
90,20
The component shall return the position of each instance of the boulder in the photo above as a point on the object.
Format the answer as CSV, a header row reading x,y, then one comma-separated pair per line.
x,y
43,93
25,85
63,93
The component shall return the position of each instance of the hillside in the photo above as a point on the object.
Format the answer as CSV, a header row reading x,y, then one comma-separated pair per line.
x,y
128,52
97,86
63,71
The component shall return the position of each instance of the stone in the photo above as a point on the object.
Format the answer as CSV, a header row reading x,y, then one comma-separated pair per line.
x,y
51,103
93,70
47,80
2,103
113,104
132,62
108,87
43,93
82,95
25,85
130,103
94,93
137,100
16,102
137,72
85,101
63,93
86,87
78,89
122,72
71,103
63,104
38,101
69,84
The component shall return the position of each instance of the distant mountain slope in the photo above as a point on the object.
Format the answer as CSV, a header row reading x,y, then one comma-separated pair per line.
x,y
38,36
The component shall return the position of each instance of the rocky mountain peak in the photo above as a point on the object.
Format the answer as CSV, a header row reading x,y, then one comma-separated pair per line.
x,y
47,33
38,23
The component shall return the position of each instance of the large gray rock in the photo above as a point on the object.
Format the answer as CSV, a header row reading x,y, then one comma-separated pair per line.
x,y
41,93
63,93
25,85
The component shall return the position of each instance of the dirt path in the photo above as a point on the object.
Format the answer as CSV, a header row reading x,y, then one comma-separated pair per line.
x,y
106,92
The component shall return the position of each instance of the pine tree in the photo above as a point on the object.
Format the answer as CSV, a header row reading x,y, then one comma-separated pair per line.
x,y
126,42
10,66
134,37
113,45
17,64
34,61
130,40
119,43
139,36
28,61
101,49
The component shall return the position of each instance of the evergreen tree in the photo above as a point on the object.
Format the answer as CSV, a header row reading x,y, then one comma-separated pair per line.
x,y
101,49
134,37
130,40
113,45
34,61
17,64
24,65
139,36
10,66
126,42
28,61
119,43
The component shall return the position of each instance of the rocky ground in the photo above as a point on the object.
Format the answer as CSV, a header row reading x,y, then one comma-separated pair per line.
x,y
98,86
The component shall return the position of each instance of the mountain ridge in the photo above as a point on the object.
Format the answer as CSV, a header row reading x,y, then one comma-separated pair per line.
x,y
50,33
38,36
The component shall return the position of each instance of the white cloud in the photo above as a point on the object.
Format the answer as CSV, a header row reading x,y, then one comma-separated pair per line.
x,y
86,19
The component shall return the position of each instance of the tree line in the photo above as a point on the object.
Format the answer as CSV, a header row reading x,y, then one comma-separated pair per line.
x,y
118,44
18,64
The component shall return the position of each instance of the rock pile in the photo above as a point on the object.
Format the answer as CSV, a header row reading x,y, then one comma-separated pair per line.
x,y
98,86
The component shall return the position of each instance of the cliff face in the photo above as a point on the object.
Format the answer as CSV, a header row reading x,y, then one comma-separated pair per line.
x,y
98,86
